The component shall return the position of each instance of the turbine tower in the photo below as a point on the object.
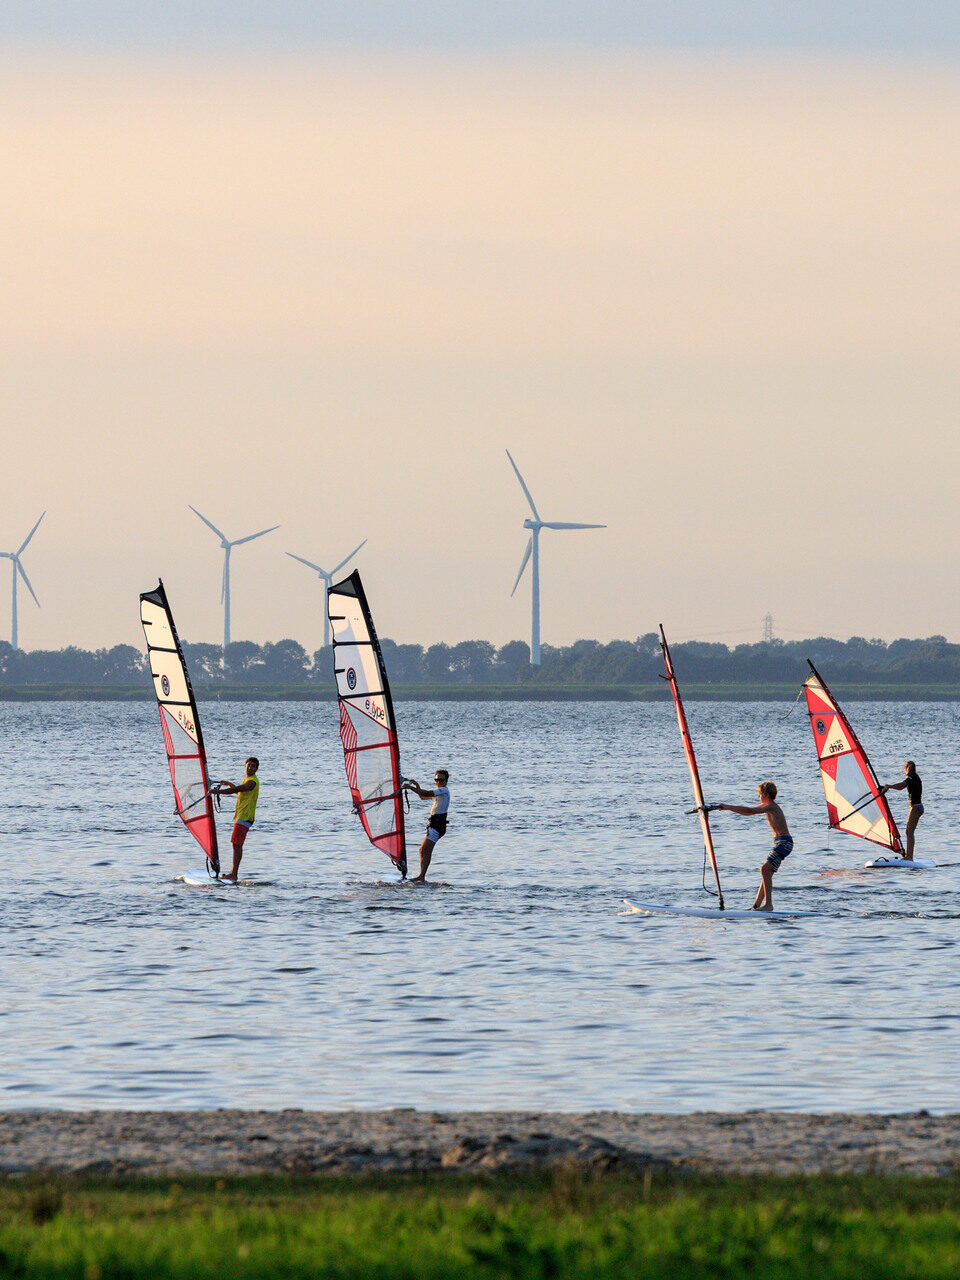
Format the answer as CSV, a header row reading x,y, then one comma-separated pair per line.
x,y
327,579
533,549
227,548
19,569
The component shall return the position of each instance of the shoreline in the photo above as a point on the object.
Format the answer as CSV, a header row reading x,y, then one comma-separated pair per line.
x,y
693,692
402,1140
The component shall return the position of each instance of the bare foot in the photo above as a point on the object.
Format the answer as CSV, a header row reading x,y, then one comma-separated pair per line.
x,y
765,907
419,880
231,878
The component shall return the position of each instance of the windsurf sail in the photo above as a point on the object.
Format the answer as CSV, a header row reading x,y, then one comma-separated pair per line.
x,y
855,803
368,730
708,851
180,723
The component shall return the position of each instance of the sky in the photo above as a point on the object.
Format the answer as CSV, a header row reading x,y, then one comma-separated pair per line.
x,y
695,266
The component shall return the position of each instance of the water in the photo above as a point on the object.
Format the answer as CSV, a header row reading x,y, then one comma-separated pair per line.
x,y
515,983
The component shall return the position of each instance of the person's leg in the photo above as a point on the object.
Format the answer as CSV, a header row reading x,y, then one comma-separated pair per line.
x,y
426,849
912,819
764,898
237,839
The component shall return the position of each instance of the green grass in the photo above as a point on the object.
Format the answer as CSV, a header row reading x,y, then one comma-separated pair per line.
x,y
554,1225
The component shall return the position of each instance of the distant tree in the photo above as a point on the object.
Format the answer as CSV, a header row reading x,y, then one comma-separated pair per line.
x,y
471,661
404,662
240,656
203,662
512,661
436,664
285,662
123,664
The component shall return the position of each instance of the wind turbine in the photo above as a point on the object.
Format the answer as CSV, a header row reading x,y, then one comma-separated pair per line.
x,y
227,548
18,568
533,548
327,579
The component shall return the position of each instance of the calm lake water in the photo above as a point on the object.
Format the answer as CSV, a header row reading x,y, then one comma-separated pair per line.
x,y
516,982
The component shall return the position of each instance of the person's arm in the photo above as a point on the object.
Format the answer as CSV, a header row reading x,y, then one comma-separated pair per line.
x,y
893,786
228,789
415,786
745,811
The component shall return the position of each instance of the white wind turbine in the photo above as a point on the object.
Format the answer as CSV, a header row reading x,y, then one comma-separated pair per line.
x,y
533,548
18,568
327,579
227,548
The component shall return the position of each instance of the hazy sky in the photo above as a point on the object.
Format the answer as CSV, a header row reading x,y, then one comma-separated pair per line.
x,y
697,269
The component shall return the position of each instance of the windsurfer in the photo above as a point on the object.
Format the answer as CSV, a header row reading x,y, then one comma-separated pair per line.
x,y
782,839
914,789
247,793
437,822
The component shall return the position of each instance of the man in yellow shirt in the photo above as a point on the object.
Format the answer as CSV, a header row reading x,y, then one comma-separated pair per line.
x,y
246,792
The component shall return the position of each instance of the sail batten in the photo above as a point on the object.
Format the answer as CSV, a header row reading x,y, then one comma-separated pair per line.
x,y
709,852
179,723
371,752
855,803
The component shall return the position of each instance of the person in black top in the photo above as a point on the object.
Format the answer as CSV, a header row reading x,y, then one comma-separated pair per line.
x,y
914,789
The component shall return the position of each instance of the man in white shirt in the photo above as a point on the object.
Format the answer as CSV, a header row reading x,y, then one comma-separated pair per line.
x,y
437,822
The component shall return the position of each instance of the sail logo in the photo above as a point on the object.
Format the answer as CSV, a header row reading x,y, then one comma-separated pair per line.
x,y
165,686
821,728
376,710
351,678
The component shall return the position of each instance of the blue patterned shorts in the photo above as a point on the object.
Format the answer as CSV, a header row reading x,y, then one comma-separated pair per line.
x,y
782,848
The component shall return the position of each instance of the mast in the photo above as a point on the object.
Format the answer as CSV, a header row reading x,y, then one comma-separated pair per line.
x,y
708,850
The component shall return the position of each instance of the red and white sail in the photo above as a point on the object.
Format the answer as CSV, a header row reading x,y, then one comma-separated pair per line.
x,y
702,814
180,723
854,801
368,731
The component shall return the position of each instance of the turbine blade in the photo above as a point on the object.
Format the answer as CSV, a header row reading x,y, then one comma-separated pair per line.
x,y
522,485
220,535
23,574
250,536
30,535
523,563
559,524
223,581
308,563
348,558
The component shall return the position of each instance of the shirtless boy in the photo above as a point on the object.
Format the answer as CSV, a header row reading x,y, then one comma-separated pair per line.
x,y
782,839
914,789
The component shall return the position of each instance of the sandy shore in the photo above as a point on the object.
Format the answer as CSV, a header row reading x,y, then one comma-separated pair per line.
x,y
228,1142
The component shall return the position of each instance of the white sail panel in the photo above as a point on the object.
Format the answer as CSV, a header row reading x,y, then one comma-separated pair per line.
x,y
367,728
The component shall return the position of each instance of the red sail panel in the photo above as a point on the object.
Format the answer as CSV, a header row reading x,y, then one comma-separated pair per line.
x,y
691,765
854,801
179,723
371,752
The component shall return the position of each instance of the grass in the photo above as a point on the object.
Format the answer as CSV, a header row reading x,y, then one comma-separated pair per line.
x,y
554,1225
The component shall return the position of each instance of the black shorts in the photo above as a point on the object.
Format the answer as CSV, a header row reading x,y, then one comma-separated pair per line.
x,y
436,826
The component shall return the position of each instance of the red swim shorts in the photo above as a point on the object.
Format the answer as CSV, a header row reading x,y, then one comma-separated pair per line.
x,y
240,830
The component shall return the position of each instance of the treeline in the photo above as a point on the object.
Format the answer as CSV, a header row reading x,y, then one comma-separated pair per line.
x,y
588,662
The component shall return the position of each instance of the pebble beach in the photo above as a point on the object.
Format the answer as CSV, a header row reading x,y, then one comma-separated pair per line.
x,y
228,1142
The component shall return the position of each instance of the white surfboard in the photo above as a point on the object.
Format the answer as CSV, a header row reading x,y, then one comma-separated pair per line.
x,y
712,913
200,880
901,864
